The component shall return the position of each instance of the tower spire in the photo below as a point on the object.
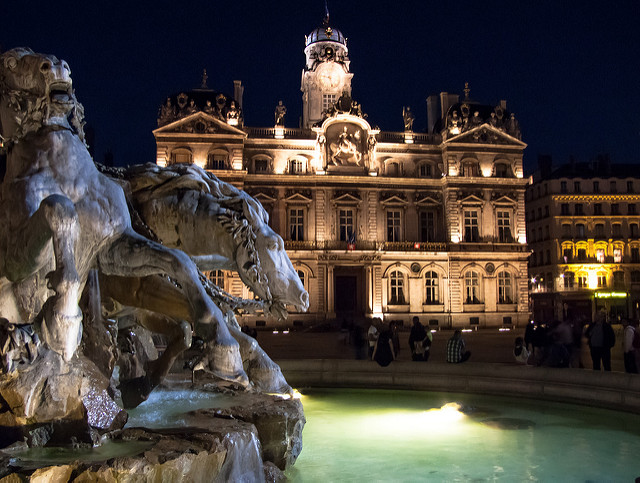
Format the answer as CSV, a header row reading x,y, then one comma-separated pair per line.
x,y
326,13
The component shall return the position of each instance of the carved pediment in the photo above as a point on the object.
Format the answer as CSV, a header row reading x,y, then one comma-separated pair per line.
x,y
264,195
300,196
470,197
199,123
347,197
506,198
428,199
485,134
390,198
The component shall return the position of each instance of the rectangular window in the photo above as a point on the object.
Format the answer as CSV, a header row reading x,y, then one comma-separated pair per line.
x,y
425,170
582,281
328,100
504,227
602,280
635,254
613,188
471,232
599,230
580,230
596,187
569,279
631,209
630,187
600,255
296,166
582,254
566,230
578,209
567,255
633,229
597,208
618,278
564,209
615,209
563,186
393,226
547,258
616,229
296,224
546,211
427,226
576,187
216,161
345,224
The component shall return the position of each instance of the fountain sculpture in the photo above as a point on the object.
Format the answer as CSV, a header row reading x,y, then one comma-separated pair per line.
x,y
78,258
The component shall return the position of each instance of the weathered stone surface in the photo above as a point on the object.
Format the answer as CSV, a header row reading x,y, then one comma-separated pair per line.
x,y
279,423
52,474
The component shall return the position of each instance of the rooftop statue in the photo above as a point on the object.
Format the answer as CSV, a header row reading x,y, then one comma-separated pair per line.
x,y
61,218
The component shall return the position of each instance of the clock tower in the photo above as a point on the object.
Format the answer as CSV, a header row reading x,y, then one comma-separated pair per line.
x,y
326,74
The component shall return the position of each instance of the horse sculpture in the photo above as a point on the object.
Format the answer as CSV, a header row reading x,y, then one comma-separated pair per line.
x,y
62,218
220,227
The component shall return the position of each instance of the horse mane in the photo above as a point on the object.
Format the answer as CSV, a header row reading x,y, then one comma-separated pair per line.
x,y
240,216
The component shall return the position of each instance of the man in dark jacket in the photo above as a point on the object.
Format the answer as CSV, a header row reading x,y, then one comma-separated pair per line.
x,y
601,339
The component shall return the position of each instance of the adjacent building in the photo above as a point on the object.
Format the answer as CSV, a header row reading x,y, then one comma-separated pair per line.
x,y
388,224
582,223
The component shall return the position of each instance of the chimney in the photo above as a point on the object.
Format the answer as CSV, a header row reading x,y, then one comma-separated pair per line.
x,y
433,112
238,91
503,104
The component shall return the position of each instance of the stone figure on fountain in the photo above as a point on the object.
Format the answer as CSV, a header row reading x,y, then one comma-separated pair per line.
x,y
71,252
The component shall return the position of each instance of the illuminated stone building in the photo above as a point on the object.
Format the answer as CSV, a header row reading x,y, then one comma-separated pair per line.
x,y
389,224
582,222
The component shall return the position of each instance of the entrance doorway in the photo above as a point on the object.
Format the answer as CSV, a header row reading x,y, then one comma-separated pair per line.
x,y
348,292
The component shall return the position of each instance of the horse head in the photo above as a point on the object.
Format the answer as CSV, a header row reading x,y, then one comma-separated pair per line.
x,y
36,91
263,263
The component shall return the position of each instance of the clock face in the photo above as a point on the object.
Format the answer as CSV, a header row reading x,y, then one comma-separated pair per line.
x,y
329,75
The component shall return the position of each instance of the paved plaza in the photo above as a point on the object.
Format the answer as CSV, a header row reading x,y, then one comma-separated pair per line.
x,y
486,345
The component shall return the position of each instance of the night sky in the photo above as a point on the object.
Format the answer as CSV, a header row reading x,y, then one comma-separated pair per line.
x,y
568,69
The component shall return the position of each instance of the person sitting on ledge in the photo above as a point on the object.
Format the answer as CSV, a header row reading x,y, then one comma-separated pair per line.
x,y
456,349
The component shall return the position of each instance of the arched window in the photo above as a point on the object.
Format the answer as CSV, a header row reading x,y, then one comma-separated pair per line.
x,y
217,160
396,288
472,287
296,166
470,168
180,155
569,279
503,170
302,277
425,170
393,169
431,286
505,288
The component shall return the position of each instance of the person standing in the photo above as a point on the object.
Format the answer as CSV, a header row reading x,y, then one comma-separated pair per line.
x,y
601,340
456,349
383,352
419,341
629,335
372,335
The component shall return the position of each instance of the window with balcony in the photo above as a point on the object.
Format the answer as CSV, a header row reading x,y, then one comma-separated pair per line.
x,y
617,255
396,288
181,156
576,187
431,285
216,161
296,224
567,255
471,231
425,170
618,279
615,209
569,280
582,254
346,224
504,227
578,209
564,209
505,288
296,166
472,287
393,225
393,169
427,226
470,168
261,165
600,255
503,170
563,187
597,208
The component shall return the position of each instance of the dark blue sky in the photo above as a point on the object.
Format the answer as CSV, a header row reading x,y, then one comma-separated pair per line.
x,y
569,70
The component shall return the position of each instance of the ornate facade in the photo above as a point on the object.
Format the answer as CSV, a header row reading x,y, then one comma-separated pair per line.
x,y
582,222
390,224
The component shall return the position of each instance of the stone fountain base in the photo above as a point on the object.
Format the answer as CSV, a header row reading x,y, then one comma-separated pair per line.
x,y
255,439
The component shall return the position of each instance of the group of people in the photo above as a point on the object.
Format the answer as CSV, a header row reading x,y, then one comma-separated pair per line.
x,y
384,343
559,344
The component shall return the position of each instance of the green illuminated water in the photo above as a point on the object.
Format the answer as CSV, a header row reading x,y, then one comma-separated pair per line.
x,y
376,435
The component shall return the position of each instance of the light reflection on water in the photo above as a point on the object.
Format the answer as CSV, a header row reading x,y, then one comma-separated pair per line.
x,y
377,435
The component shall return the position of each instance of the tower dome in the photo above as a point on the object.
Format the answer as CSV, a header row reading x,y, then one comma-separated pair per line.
x,y
325,33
